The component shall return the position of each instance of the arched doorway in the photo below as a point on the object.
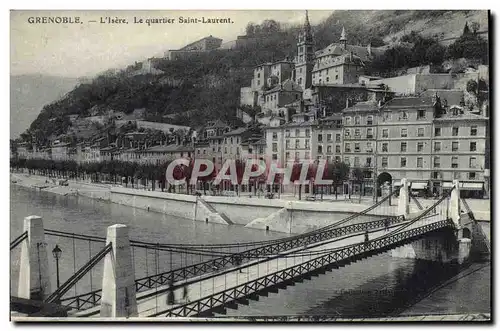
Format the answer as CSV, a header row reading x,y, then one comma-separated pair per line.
x,y
381,179
466,233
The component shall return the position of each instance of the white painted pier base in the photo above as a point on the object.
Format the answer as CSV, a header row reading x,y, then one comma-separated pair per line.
x,y
118,283
34,280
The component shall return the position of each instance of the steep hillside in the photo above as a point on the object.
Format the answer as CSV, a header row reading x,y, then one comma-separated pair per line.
x,y
29,93
207,86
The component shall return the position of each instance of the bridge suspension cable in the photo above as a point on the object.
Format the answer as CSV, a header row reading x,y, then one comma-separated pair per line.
x,y
14,243
78,275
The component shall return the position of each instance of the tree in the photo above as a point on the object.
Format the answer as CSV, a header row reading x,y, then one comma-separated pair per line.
x,y
340,173
435,54
474,26
358,176
250,29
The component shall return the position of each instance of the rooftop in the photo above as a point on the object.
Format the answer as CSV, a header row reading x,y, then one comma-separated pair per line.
x,y
170,148
408,102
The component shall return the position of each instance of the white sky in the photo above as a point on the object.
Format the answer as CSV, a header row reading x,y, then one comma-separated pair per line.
x,y
75,50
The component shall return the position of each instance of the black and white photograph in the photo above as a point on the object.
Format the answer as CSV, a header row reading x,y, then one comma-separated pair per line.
x,y
250,166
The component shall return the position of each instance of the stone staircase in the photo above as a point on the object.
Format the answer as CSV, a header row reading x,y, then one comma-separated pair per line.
x,y
213,210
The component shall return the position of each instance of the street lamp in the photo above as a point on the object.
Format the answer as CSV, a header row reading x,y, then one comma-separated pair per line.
x,y
56,252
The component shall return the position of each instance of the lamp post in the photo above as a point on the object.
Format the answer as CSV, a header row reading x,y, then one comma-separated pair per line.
x,y
56,252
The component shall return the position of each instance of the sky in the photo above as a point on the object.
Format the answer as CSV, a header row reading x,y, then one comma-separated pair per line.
x,y
78,50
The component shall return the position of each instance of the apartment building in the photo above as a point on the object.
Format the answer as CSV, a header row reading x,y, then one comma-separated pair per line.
x,y
431,144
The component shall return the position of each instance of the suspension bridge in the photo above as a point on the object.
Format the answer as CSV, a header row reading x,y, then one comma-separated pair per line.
x,y
194,280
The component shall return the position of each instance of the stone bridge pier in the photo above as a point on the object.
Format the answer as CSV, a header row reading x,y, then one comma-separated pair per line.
x,y
444,246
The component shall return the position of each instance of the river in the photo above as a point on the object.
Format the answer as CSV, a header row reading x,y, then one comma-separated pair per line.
x,y
378,286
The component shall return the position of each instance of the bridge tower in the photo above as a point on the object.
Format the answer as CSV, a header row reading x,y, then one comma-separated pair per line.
x,y
454,204
404,195
118,282
34,274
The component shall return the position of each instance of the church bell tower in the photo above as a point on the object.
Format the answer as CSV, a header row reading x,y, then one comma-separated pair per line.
x,y
305,56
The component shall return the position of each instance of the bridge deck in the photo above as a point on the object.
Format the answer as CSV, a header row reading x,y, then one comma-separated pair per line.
x,y
155,301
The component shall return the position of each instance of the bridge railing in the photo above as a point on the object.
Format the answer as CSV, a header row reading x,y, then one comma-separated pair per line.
x,y
229,260
91,299
287,276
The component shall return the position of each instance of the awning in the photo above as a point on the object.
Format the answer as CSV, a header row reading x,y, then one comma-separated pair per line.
x,y
447,184
418,186
471,186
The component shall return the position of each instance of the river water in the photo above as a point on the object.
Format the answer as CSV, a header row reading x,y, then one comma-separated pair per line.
x,y
378,286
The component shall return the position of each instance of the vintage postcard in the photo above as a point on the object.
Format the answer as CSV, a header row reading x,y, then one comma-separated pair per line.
x,y
250,165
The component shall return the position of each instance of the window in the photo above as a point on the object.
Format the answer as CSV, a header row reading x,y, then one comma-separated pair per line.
x,y
287,143
320,149
454,161
357,120
456,175
472,162
454,146
368,161
437,146
347,160
437,162
308,132
435,174
357,133
337,137
275,156
420,114
320,138
369,120
404,133
307,156
437,132
454,131
307,143
473,130
287,133
420,146
337,149
356,161
384,162
472,146
369,147
329,137
297,133
403,162
225,150
420,162
369,133
327,79
472,175
348,120
337,159
275,137
385,133
297,143
356,147
420,132
287,155
403,115
347,133
386,116
297,155
384,147
329,149
403,147
347,148
336,76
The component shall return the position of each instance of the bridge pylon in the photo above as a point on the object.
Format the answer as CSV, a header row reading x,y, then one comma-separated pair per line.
x,y
404,196
454,204
34,273
118,282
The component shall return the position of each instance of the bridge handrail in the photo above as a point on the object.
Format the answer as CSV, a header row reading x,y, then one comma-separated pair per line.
x,y
183,273
14,243
384,243
160,279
